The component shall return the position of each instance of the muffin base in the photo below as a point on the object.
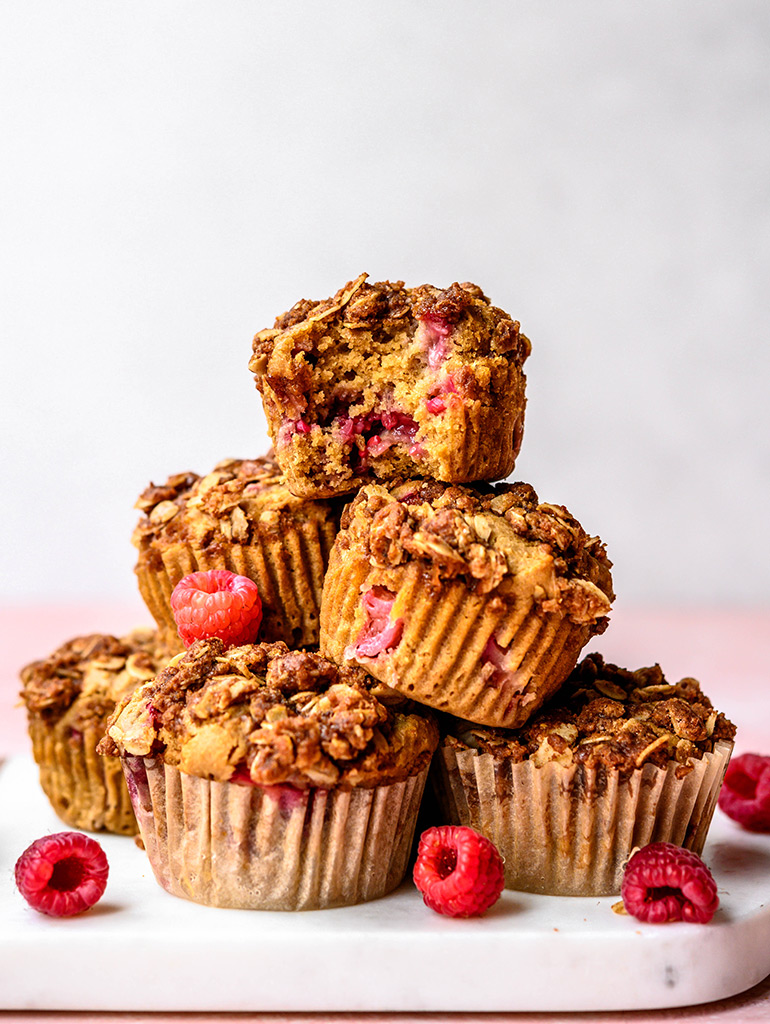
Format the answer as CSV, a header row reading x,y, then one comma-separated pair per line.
x,y
439,659
568,831
224,844
86,790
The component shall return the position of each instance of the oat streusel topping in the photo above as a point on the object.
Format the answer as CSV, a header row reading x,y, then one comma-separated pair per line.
x,y
388,308
227,503
606,716
487,534
270,715
92,672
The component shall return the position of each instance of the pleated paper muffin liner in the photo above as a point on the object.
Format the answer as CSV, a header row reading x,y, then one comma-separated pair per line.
x,y
440,657
568,831
288,571
86,790
256,848
477,440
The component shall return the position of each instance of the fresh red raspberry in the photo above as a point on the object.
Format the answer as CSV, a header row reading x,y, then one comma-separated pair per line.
x,y
663,882
62,874
745,792
217,603
459,872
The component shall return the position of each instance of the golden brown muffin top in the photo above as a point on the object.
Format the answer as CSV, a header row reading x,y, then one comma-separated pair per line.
x,y
496,537
265,714
238,497
88,675
387,309
609,717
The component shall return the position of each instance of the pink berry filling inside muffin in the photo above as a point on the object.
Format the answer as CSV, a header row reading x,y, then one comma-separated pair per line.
x,y
380,633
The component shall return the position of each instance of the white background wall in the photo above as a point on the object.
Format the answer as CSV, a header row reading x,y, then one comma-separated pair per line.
x,y
175,174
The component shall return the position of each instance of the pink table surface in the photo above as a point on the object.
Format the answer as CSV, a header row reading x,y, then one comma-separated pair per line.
x,y
727,650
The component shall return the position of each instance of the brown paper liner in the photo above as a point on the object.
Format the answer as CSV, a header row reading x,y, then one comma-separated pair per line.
x,y
568,831
439,659
86,790
247,847
288,571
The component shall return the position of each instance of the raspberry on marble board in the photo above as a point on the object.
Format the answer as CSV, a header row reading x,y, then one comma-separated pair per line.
x,y
663,883
458,871
62,874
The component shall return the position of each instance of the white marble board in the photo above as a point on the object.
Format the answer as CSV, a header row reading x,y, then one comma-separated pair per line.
x,y
143,950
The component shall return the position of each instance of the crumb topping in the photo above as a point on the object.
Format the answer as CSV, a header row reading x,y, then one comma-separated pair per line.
x,y
609,717
86,676
388,307
231,502
486,534
372,346
265,714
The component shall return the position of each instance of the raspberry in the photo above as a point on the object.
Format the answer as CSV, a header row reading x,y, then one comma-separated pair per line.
x,y
435,406
663,882
745,792
437,330
380,633
459,872
62,874
217,603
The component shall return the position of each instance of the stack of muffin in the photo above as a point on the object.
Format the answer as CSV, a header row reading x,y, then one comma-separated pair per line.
x,y
400,589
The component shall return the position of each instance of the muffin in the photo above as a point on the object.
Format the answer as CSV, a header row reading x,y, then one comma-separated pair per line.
x,y
474,600
270,779
617,760
240,517
68,697
382,381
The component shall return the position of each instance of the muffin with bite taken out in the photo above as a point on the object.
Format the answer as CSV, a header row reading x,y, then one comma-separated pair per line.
x,y
381,380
